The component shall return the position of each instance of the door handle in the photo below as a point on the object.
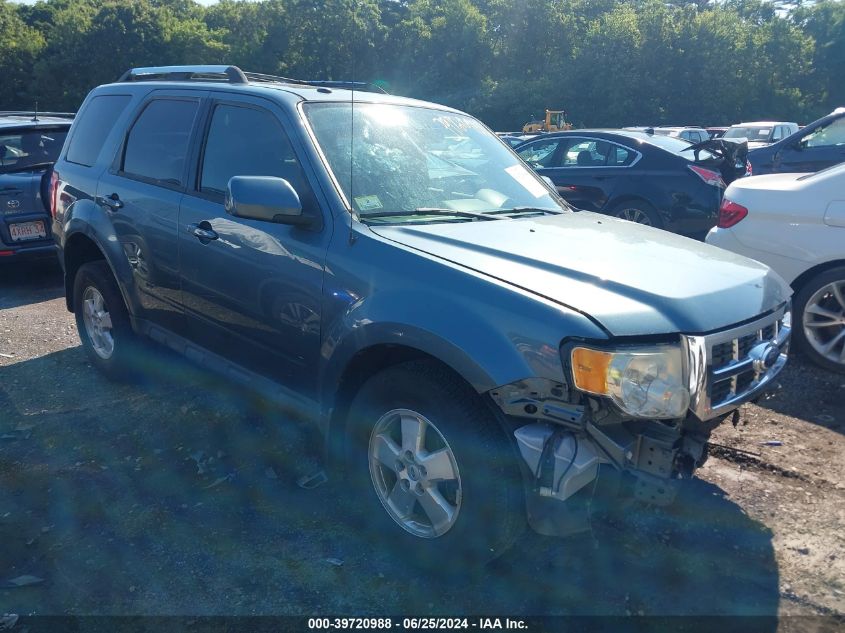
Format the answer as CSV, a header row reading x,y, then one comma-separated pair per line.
x,y
203,233
113,201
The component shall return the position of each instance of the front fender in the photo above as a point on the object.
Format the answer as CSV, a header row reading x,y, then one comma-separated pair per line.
x,y
491,335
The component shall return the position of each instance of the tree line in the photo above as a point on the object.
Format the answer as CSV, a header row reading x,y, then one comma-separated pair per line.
x,y
606,62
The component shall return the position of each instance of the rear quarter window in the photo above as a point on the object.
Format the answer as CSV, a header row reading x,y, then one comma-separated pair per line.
x,y
93,126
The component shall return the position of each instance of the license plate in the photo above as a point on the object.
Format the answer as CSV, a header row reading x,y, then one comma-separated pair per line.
x,y
22,231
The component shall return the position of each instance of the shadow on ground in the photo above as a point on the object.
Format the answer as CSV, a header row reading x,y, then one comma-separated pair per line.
x,y
814,394
173,495
33,282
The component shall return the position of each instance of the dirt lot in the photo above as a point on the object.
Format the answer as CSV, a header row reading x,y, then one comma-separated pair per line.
x,y
174,497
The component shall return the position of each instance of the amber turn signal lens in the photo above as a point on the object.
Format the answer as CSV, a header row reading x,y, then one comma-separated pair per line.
x,y
589,368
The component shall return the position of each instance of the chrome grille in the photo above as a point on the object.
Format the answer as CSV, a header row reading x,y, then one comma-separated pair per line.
x,y
732,367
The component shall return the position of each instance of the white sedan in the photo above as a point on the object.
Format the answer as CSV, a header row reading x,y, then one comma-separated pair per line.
x,y
795,223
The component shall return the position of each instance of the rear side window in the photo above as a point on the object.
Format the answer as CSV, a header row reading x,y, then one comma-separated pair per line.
x,y
157,145
93,127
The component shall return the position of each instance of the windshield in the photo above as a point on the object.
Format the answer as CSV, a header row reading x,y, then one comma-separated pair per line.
x,y
21,149
391,158
751,132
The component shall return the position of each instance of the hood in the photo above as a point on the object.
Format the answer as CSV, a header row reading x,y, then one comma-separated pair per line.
x,y
632,279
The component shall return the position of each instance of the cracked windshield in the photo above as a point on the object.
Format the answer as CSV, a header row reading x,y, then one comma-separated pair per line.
x,y
409,161
422,315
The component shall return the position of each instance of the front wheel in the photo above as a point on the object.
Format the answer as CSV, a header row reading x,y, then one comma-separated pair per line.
x,y
434,476
820,319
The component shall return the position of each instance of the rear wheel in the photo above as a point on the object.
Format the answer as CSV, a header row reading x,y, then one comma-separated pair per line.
x,y
102,319
435,479
820,319
639,212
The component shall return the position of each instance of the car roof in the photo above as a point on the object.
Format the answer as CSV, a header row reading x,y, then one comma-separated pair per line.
x,y
609,134
764,123
30,119
232,78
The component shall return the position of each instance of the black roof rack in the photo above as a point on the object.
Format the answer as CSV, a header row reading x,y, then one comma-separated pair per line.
x,y
234,75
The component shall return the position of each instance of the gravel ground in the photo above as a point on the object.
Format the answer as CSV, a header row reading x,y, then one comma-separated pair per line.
x,y
176,496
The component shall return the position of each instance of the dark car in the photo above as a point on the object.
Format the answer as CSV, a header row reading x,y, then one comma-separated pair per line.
x,y
817,146
29,145
651,179
469,348
515,139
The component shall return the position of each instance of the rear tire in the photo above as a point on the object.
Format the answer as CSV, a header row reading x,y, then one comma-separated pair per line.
x,y
433,476
819,319
102,320
638,212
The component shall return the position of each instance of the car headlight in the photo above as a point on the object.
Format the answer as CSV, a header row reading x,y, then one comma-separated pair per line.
x,y
645,382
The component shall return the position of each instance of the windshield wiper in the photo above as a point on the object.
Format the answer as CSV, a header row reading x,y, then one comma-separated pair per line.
x,y
517,210
429,211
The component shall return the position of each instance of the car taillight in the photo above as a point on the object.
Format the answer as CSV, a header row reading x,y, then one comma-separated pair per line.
x,y
708,176
54,190
749,171
730,213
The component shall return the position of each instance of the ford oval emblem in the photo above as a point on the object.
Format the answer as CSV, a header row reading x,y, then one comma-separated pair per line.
x,y
771,356
764,356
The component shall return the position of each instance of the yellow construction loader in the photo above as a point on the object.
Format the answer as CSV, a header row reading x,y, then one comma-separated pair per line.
x,y
555,122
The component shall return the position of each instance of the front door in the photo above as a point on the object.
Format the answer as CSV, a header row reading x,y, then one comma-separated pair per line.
x,y
252,290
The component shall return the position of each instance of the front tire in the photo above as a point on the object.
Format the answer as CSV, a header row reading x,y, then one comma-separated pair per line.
x,y
434,476
820,319
102,319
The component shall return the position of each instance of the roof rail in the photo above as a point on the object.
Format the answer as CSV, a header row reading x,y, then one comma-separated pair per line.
x,y
348,85
35,115
265,78
235,75
232,74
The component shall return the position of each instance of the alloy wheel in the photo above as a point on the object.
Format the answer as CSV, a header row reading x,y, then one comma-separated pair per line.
x,y
98,324
824,321
634,214
415,473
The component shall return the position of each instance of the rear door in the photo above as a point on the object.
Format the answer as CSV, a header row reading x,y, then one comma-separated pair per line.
x,y
821,147
586,170
252,290
142,191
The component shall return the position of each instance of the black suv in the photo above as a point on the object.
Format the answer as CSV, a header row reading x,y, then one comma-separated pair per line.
x,y
468,345
29,145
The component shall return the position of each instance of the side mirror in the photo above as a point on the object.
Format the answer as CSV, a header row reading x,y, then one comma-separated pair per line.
x,y
265,198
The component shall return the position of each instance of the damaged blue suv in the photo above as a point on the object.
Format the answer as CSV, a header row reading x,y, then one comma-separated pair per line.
x,y
471,349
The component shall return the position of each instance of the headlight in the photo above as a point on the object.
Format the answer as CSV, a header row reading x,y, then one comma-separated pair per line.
x,y
646,382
